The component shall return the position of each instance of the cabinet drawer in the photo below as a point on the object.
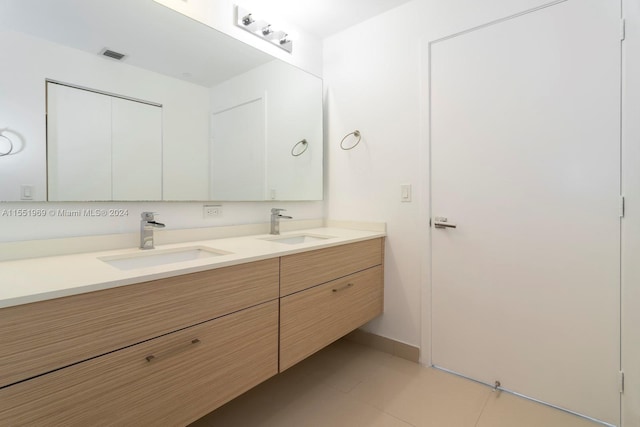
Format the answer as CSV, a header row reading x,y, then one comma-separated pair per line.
x,y
314,318
301,271
182,382
47,335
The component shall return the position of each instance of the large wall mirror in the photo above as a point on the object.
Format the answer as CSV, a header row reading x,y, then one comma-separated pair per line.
x,y
188,114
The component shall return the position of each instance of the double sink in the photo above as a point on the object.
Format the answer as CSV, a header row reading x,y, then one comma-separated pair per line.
x,y
154,258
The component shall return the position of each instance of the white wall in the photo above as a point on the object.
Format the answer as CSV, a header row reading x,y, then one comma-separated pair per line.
x,y
220,14
375,80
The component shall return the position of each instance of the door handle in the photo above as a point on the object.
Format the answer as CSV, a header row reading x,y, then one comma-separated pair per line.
x,y
152,357
442,222
348,285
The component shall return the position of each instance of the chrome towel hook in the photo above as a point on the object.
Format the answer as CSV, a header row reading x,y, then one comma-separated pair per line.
x,y
304,143
355,133
10,146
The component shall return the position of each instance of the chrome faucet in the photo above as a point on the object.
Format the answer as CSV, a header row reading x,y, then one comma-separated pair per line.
x,y
275,220
147,224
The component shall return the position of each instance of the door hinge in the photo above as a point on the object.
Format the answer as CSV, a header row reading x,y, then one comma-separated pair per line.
x,y
621,206
621,381
623,29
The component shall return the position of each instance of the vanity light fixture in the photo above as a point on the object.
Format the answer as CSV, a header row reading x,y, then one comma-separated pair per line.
x,y
247,20
262,29
284,40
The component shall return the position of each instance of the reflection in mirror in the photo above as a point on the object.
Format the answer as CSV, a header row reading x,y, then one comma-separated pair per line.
x,y
102,147
229,115
254,111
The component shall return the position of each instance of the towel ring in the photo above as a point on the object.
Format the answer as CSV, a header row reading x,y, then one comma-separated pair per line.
x,y
10,146
303,142
355,133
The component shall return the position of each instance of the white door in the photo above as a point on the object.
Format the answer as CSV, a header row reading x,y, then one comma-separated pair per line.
x,y
238,155
78,144
525,145
101,147
136,150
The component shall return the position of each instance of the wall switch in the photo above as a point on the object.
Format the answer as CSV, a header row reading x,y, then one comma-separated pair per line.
x,y
26,192
405,193
212,211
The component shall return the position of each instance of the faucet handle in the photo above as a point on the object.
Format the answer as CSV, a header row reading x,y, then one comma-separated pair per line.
x,y
276,211
148,216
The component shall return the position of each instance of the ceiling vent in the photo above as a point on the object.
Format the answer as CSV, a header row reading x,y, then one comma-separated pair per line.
x,y
112,54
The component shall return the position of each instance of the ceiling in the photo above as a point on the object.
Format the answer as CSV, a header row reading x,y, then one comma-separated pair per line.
x,y
136,28
323,18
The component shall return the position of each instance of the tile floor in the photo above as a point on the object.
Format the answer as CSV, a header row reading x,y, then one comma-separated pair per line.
x,y
348,384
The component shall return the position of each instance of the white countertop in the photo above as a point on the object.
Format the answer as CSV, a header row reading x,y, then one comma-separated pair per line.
x,y
38,279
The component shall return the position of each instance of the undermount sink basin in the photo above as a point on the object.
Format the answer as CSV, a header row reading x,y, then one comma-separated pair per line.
x,y
297,239
153,258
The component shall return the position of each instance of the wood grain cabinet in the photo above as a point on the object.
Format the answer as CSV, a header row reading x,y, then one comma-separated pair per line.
x,y
307,269
168,381
164,352
326,294
48,335
169,351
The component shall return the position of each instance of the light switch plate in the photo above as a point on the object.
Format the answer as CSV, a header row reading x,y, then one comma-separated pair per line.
x,y
405,193
26,192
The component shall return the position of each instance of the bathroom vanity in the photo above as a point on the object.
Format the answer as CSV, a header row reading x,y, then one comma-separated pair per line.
x,y
170,350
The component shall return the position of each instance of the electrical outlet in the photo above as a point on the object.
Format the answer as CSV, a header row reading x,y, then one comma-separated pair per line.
x,y
212,211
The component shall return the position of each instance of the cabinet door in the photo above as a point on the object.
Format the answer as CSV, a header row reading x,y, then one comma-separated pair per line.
x,y
48,335
137,150
312,319
169,381
306,269
78,144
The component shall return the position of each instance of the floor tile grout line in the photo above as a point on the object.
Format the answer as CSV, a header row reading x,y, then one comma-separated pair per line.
x,y
486,402
382,411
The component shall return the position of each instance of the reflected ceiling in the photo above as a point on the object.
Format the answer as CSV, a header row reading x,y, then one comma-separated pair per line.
x,y
115,24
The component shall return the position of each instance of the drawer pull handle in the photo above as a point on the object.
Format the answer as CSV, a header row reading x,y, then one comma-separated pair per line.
x,y
151,357
342,288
